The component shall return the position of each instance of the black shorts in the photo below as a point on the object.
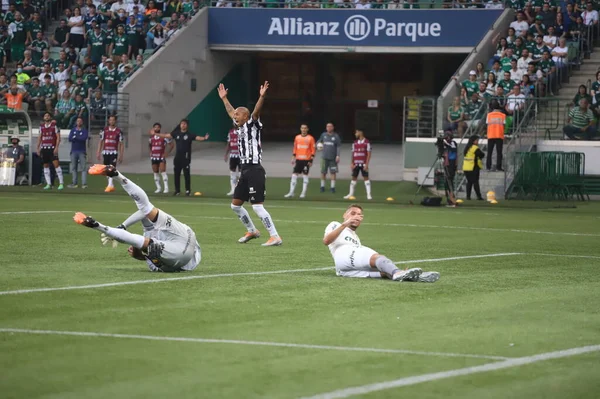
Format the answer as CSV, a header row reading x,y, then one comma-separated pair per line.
x,y
47,155
251,185
302,167
158,161
359,169
234,164
110,159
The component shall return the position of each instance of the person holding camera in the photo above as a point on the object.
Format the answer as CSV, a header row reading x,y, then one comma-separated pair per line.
x,y
450,156
472,164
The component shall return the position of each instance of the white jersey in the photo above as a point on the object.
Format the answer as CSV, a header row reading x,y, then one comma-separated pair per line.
x,y
347,237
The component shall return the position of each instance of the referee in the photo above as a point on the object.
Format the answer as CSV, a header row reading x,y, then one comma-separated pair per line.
x,y
251,185
183,153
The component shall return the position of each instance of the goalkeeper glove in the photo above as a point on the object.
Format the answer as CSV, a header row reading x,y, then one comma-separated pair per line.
x,y
106,240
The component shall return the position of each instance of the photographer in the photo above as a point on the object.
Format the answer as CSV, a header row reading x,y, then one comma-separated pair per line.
x,y
448,153
472,164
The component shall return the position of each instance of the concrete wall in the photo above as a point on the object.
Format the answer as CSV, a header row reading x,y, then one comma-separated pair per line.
x,y
483,52
161,90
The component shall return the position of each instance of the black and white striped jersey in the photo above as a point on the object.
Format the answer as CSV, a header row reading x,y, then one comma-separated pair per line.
x,y
249,142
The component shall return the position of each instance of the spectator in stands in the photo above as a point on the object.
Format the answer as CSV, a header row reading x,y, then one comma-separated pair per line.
x,y
507,60
474,111
548,15
5,86
470,85
518,47
27,63
548,68
456,117
515,73
104,10
120,44
497,70
538,28
76,23
507,83
61,76
538,49
520,25
590,16
139,62
22,77
494,5
581,95
155,37
35,97
109,83
124,61
124,74
524,61
561,28
527,86
62,58
72,57
97,44
37,46
550,40
80,87
482,94
511,37
65,108
515,104
80,110
464,97
98,107
501,47
480,72
491,84
117,8
595,91
91,79
499,97
91,18
173,6
19,37
196,6
26,9
580,123
45,59
14,98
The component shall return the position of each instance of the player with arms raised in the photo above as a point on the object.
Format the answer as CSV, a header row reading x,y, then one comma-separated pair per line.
x,y
167,244
252,184
352,259
111,148
361,156
47,148
232,154
302,159
160,148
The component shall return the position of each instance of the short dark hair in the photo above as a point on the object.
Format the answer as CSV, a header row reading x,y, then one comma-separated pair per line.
x,y
157,124
112,116
185,120
355,206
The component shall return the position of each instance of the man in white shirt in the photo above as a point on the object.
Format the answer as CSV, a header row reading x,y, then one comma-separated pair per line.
x,y
515,102
590,16
515,73
550,39
116,6
560,53
352,259
520,25
362,5
523,63
494,5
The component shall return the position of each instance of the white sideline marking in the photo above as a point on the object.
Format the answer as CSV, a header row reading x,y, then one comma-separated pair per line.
x,y
241,342
158,280
418,379
567,256
420,226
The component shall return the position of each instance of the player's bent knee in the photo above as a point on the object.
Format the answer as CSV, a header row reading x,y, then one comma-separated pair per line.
x,y
373,260
236,202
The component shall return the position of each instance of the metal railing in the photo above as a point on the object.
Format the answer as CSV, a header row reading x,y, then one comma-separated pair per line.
x,y
419,116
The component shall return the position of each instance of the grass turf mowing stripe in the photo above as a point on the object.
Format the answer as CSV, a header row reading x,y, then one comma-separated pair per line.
x,y
158,280
419,226
418,379
242,342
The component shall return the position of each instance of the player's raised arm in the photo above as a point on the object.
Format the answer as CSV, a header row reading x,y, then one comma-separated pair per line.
x,y
223,94
261,100
335,233
202,138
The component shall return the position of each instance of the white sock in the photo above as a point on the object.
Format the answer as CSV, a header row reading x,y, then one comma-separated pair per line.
x,y
293,184
265,218
352,186
157,180
244,217
47,176
136,193
59,175
333,184
368,187
133,219
165,178
304,184
110,182
123,236
322,183
232,180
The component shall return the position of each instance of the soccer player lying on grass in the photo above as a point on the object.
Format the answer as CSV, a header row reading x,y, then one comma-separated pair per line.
x,y
352,259
167,244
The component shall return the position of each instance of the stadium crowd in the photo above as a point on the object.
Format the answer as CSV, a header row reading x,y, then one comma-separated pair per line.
x,y
76,69
531,62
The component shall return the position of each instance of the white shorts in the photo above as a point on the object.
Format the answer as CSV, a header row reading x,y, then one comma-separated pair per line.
x,y
355,262
174,246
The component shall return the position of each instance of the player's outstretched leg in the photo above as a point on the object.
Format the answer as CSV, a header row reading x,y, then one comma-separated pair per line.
x,y
135,192
267,221
137,241
387,267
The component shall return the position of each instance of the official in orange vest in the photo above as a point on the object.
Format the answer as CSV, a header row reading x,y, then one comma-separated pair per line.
x,y
495,135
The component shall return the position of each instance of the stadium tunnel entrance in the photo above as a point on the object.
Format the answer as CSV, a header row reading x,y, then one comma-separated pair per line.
x,y
352,90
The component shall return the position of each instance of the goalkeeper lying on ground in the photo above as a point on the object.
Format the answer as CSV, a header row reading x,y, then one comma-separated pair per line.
x,y
167,244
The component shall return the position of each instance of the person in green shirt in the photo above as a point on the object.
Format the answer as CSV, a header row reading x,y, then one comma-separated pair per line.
x,y
124,74
2,57
9,17
455,117
470,85
45,59
538,49
97,45
196,8
187,6
80,110
548,68
50,94
581,94
19,37
65,108
35,97
507,83
474,111
91,80
33,27
506,61
109,32
538,28
120,44
109,83
37,47
79,87
173,6
134,34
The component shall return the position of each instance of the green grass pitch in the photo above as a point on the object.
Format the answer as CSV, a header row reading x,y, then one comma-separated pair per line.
x,y
220,336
